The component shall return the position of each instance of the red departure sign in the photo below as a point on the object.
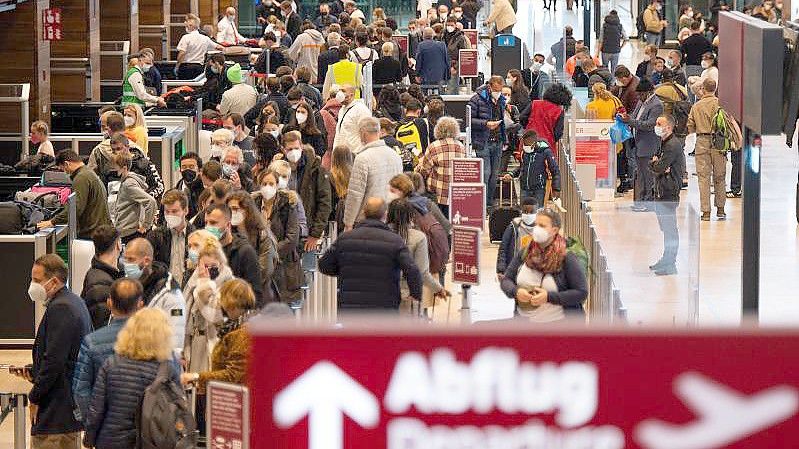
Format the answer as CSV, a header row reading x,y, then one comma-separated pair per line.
x,y
228,422
473,36
467,204
467,62
509,387
465,255
53,29
402,41
467,170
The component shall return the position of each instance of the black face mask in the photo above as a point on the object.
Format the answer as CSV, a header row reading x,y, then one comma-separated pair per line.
x,y
213,272
188,175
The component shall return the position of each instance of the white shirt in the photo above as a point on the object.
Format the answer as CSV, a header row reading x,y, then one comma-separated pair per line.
x,y
195,45
46,148
358,14
347,133
365,53
228,33
136,81
239,98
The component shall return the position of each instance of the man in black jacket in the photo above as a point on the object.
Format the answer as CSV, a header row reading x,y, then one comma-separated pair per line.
x,y
291,19
241,256
105,269
170,239
695,45
368,261
668,166
55,350
327,57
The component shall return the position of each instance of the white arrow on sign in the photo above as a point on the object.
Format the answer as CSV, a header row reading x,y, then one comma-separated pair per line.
x,y
725,415
325,394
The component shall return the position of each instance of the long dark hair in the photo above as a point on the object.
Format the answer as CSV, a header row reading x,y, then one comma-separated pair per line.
x,y
559,95
309,127
253,224
400,216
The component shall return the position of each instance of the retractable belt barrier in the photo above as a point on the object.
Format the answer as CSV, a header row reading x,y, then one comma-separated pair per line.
x,y
321,304
16,403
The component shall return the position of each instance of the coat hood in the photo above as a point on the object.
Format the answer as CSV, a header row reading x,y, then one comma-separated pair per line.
x,y
136,178
611,19
100,265
315,35
158,271
418,202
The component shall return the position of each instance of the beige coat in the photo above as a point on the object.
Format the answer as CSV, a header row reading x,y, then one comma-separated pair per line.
x,y
502,14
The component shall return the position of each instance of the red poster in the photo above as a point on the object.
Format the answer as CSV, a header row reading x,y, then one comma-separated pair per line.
x,y
512,386
467,205
467,62
473,37
594,152
467,170
465,255
227,409
402,41
52,27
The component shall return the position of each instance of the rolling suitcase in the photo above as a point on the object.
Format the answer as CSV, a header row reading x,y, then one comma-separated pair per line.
x,y
504,213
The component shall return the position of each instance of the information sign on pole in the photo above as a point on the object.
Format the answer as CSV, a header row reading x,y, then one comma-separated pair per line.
x,y
473,36
467,170
465,255
228,416
467,62
402,41
594,150
467,205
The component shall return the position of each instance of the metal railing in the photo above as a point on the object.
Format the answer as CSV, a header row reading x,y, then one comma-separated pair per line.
x,y
159,31
19,93
321,304
16,403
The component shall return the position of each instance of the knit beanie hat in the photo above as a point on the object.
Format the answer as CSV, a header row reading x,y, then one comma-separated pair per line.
x,y
234,74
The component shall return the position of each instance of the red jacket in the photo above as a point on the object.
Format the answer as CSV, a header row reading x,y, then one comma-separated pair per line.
x,y
544,117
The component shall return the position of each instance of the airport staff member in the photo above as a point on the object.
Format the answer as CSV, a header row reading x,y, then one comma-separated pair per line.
x,y
227,31
192,49
133,90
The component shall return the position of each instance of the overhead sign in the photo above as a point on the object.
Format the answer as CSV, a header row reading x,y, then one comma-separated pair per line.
x,y
52,25
467,205
467,170
467,62
465,255
381,386
506,40
228,416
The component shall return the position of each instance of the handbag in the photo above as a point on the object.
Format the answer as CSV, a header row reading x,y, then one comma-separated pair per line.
x,y
619,131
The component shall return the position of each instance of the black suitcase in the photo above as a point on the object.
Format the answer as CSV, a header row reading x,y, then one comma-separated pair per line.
x,y
505,212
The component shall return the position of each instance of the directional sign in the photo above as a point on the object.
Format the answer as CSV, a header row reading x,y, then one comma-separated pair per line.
x,y
388,385
467,205
228,418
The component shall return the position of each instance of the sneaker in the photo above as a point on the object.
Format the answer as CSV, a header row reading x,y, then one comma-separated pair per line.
x,y
720,214
705,216
656,266
667,270
692,153
639,209
733,194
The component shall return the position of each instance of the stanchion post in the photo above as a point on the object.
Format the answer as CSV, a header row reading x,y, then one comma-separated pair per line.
x,y
20,417
466,304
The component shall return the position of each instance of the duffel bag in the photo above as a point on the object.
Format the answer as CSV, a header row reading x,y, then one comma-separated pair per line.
x,y
52,178
19,217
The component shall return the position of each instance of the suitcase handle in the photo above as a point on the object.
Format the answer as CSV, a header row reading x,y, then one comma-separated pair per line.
x,y
510,187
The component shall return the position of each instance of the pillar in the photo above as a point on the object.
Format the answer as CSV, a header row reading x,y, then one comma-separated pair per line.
x,y
81,22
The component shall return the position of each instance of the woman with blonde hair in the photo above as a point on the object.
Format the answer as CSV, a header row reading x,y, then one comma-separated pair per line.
x,y
604,105
230,356
340,170
143,351
136,126
202,300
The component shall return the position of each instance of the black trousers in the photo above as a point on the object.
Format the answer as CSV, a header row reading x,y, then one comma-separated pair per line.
x,y
188,71
735,176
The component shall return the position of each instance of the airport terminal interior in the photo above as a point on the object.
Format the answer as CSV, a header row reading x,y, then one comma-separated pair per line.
x,y
243,88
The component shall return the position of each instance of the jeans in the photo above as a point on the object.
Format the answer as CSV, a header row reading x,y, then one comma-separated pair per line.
x,y
632,161
538,194
653,38
667,220
610,60
644,180
491,153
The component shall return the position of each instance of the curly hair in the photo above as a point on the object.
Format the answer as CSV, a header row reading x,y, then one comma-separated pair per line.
x,y
558,94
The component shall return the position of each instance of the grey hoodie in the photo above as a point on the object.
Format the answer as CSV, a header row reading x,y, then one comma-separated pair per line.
x,y
135,208
305,50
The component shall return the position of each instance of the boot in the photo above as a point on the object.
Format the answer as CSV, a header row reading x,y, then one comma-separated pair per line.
x,y
705,216
720,214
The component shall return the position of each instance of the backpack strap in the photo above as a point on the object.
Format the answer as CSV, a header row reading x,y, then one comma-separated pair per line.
x,y
163,372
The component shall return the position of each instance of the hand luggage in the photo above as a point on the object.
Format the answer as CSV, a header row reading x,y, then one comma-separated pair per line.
x,y
62,193
52,178
503,214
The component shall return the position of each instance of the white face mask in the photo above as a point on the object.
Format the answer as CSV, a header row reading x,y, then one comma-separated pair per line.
x,y
173,221
231,18
540,235
268,192
619,83
647,58
705,64
37,292
669,63
528,148
659,131
216,150
509,81
283,182
537,66
495,95
294,155
457,14
391,196
237,218
528,219
301,117
275,133
341,96
450,29
188,30
129,121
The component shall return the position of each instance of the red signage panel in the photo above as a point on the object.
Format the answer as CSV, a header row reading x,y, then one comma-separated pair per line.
x,y
467,205
595,152
473,36
467,170
467,62
228,418
510,387
465,255
52,25
402,41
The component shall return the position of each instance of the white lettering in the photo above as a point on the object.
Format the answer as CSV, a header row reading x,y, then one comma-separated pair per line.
x,y
578,394
410,385
494,371
453,383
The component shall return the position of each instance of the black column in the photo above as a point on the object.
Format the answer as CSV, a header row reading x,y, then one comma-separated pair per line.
x,y
750,228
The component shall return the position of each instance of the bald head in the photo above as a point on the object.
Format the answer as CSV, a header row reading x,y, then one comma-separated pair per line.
x,y
230,11
140,247
125,297
375,209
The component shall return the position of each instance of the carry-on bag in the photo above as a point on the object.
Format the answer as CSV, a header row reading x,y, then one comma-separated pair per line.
x,y
503,214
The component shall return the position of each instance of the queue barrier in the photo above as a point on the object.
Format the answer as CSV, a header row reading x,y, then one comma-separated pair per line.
x,y
159,32
16,404
18,93
321,302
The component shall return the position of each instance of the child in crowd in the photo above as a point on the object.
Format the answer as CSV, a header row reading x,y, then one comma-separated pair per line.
x,y
537,167
39,133
517,235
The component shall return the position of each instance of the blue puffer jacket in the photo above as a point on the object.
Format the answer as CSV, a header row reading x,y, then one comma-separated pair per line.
x,y
117,396
536,168
482,112
94,350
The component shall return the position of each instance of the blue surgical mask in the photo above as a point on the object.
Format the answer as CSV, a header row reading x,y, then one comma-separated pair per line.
x,y
217,232
228,169
194,256
132,270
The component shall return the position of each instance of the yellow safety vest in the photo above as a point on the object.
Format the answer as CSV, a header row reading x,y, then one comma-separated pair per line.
x,y
348,72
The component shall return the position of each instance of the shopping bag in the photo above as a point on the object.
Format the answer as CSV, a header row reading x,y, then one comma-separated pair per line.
x,y
620,131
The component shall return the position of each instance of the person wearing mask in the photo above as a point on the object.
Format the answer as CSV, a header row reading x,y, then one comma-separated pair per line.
x,y
111,123
230,356
647,65
211,271
695,45
675,64
596,74
604,104
227,31
455,41
152,76
248,222
142,353
135,126
241,256
39,136
133,213
304,120
329,114
276,56
457,13
124,298
235,123
305,49
190,183
368,261
625,90
105,269
374,166
324,19
686,17
710,71
538,165
709,161
611,40
292,20
140,164
216,83
55,350
353,11
161,289
279,209
432,60
352,111
170,238
653,23
192,49
341,163
502,16
91,205
517,235
274,103
304,75
546,281
241,97
436,164
343,73
488,130
386,70
133,90
642,121
236,170
329,56
668,165
519,93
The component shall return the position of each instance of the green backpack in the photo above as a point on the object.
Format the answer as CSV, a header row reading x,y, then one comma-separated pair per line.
x,y
576,247
726,134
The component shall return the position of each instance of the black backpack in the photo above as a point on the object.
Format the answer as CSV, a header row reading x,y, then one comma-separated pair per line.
x,y
164,420
20,217
680,110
